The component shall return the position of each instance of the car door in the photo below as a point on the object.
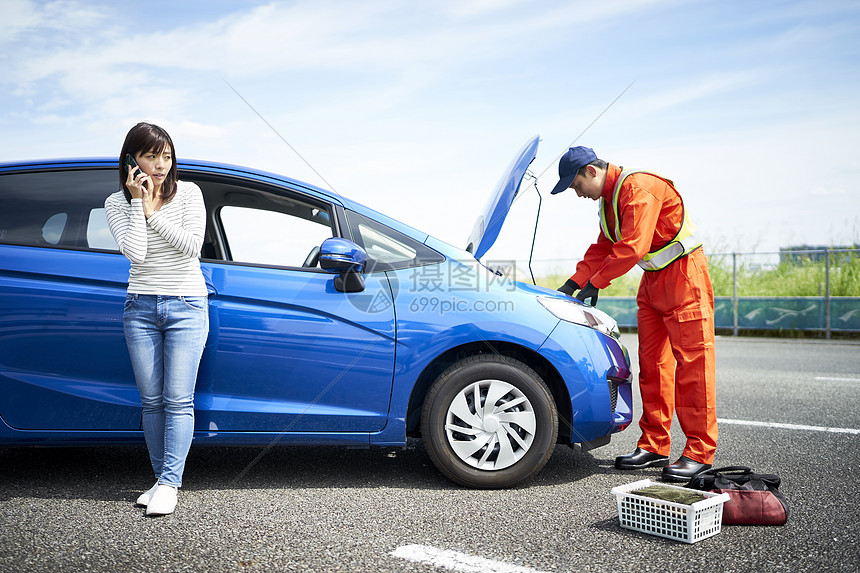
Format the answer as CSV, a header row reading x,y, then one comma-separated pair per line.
x,y
63,359
287,352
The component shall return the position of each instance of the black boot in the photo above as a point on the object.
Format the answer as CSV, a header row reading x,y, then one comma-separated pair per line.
x,y
640,459
683,469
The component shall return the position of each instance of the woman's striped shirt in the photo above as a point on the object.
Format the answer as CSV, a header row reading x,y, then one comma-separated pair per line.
x,y
164,249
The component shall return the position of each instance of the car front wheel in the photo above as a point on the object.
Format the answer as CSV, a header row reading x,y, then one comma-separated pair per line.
x,y
489,421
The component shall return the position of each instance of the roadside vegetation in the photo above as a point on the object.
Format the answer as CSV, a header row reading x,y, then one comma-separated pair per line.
x,y
798,276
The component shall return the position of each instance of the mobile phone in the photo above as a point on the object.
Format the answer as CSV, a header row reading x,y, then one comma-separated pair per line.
x,y
130,162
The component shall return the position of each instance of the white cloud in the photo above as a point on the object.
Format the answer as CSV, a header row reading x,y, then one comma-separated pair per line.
x,y
828,191
416,108
697,89
22,18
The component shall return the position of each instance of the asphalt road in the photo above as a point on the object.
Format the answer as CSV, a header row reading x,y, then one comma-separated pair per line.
x,y
334,509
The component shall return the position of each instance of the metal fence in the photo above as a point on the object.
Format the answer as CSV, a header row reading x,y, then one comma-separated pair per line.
x,y
821,314
829,279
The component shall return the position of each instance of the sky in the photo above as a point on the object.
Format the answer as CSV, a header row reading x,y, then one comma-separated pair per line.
x,y
415,108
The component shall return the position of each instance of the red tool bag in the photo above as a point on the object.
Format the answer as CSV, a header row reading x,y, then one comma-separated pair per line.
x,y
755,498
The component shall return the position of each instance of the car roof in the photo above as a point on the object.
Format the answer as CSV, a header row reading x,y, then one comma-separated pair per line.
x,y
192,165
224,169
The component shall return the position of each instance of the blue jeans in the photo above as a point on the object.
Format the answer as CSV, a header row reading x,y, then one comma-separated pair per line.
x,y
165,337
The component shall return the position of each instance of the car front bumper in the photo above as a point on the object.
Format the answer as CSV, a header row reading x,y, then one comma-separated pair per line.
x,y
596,371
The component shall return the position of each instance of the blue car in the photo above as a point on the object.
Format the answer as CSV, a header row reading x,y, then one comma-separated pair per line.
x,y
330,324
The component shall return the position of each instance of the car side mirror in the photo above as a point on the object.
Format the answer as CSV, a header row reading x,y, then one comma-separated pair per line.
x,y
347,260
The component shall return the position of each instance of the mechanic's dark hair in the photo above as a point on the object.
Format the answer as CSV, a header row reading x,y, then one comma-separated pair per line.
x,y
599,163
145,137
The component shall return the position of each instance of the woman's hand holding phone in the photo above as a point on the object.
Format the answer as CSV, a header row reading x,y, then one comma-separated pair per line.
x,y
136,179
137,183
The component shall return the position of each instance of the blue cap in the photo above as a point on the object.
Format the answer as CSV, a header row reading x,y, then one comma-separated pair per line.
x,y
569,165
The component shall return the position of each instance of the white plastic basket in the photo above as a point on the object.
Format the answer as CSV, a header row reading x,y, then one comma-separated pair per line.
x,y
687,523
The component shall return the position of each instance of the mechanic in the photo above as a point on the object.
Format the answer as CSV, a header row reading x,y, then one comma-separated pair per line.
x,y
643,221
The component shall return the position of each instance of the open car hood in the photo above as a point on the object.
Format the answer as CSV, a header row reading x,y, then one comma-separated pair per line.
x,y
489,223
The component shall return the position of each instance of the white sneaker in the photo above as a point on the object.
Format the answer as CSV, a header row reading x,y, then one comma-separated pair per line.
x,y
147,495
163,501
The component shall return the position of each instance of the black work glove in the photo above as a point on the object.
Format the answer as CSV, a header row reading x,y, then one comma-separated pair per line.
x,y
588,291
569,287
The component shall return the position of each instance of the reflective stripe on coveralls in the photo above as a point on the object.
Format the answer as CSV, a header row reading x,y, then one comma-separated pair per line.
x,y
681,244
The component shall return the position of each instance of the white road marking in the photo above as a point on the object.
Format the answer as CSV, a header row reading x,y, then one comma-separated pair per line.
x,y
456,561
832,379
789,426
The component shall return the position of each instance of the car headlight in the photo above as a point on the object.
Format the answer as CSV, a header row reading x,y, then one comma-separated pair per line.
x,y
570,311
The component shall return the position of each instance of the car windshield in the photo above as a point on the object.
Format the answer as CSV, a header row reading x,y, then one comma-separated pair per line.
x,y
387,248
384,248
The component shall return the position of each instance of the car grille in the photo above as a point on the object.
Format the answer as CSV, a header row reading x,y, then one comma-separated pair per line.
x,y
613,393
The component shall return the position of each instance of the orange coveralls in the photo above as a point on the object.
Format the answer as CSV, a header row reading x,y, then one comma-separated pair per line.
x,y
677,368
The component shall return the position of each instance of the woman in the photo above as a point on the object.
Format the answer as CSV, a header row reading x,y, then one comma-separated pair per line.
x,y
158,223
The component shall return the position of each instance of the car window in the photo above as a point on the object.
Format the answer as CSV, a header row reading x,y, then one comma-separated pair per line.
x,y
53,228
386,248
56,208
98,231
269,237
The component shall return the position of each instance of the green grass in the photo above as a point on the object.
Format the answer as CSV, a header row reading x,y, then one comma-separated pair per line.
x,y
803,277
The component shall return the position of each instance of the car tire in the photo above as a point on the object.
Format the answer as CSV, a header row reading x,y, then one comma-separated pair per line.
x,y
506,439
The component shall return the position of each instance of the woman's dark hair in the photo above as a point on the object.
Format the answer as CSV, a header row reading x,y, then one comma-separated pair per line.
x,y
145,137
